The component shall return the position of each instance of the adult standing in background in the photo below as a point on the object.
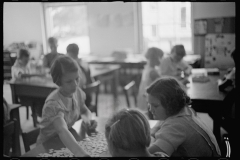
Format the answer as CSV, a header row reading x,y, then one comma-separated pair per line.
x,y
50,57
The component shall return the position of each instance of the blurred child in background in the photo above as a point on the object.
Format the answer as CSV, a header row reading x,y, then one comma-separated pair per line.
x,y
22,67
175,66
84,70
50,57
149,74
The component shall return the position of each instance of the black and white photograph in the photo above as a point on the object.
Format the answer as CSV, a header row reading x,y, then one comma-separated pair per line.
x,y
119,79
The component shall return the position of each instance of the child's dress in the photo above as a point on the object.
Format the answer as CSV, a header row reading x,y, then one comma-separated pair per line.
x,y
145,82
56,105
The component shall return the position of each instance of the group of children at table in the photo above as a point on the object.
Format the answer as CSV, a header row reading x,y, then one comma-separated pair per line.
x,y
178,133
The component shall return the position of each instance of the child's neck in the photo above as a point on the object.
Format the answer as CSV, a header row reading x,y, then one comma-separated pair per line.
x,y
65,94
152,65
22,64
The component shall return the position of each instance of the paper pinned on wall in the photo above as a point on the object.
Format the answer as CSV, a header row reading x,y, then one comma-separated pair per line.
x,y
218,49
116,20
127,19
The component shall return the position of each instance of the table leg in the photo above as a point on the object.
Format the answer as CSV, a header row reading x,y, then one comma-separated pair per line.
x,y
15,114
34,115
115,85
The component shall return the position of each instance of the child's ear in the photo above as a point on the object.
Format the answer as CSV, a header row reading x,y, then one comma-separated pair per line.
x,y
58,82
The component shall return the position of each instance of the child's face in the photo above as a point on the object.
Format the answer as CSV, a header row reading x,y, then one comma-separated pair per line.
x,y
155,61
53,47
158,111
177,57
24,60
69,82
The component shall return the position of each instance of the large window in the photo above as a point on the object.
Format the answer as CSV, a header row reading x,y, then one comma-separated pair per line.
x,y
69,24
165,24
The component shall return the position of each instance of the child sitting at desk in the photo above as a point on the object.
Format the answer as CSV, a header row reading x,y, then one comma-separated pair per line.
x,y
64,106
149,74
182,133
174,65
128,135
22,67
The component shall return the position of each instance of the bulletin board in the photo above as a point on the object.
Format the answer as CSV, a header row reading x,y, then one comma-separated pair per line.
x,y
218,49
214,40
200,27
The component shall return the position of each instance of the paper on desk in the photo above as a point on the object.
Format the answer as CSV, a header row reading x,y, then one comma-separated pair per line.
x,y
200,78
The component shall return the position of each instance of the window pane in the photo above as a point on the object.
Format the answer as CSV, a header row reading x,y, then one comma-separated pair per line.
x,y
69,25
173,25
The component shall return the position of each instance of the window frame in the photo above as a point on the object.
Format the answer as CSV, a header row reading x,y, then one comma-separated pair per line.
x,y
47,21
140,28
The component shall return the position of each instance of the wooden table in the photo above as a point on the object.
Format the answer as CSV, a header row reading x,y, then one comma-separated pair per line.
x,y
130,68
56,144
35,90
207,98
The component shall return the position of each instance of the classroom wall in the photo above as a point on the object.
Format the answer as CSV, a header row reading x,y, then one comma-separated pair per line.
x,y
213,9
110,23
21,22
110,27
201,10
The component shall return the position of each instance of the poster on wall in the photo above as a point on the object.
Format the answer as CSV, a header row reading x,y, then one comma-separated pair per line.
x,y
218,23
200,27
218,50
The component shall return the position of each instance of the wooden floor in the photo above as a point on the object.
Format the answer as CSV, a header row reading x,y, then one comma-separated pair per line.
x,y
106,107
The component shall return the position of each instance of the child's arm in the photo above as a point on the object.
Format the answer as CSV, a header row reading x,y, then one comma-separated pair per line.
x,y
67,138
156,128
86,114
154,75
186,68
154,148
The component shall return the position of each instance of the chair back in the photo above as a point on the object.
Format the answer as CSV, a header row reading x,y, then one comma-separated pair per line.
x,y
130,87
225,146
11,136
30,138
91,89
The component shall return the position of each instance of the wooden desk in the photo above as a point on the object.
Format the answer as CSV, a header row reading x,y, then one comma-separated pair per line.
x,y
56,144
130,68
207,98
34,91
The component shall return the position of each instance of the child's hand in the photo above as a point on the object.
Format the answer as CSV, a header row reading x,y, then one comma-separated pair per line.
x,y
90,128
185,81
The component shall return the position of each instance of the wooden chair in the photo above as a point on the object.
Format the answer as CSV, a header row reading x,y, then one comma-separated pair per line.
x,y
90,89
229,123
30,138
130,87
10,138
20,95
14,113
8,63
